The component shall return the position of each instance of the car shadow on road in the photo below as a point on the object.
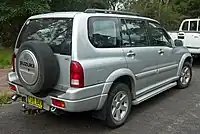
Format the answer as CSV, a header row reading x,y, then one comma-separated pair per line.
x,y
74,122
84,123
196,62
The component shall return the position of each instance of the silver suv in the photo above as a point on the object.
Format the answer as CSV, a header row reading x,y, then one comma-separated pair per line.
x,y
97,60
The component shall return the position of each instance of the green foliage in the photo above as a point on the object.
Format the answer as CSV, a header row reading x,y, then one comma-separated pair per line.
x,y
67,5
14,13
5,98
5,58
11,9
100,4
77,5
170,13
169,18
190,8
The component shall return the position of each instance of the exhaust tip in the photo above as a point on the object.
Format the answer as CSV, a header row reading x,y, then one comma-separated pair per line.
x,y
14,97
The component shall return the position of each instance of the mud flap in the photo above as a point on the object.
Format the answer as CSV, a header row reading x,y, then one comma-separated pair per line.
x,y
101,114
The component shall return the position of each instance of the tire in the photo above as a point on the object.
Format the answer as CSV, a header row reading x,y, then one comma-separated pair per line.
x,y
116,90
37,58
180,83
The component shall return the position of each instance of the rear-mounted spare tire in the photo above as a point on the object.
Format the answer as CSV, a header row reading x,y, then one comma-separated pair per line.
x,y
37,67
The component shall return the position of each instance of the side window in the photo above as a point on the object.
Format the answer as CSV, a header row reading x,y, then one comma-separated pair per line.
x,y
158,35
103,32
185,26
137,32
193,25
199,26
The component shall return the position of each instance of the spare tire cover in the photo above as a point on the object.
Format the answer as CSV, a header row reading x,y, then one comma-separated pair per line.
x,y
37,66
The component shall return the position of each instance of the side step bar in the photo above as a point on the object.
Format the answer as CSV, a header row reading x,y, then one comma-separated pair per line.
x,y
153,93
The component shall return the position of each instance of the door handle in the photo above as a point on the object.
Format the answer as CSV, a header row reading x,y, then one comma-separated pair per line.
x,y
130,54
161,52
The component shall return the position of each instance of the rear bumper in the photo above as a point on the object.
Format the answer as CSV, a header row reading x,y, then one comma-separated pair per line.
x,y
194,50
76,100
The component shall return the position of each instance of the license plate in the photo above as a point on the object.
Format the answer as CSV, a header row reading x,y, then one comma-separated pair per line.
x,y
35,102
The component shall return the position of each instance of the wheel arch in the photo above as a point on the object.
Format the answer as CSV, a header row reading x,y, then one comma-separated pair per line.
x,y
187,57
120,75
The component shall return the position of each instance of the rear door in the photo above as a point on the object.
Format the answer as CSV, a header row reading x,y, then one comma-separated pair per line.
x,y
57,33
140,55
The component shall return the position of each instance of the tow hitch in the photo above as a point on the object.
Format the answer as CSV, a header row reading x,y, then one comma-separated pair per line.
x,y
56,111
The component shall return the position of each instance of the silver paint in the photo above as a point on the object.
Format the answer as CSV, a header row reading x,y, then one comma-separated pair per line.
x,y
150,72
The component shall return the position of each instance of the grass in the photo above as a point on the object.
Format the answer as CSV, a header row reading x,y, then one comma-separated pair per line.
x,y
5,58
5,97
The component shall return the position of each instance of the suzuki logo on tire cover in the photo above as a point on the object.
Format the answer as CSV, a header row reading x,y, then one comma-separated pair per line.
x,y
27,61
28,67
23,63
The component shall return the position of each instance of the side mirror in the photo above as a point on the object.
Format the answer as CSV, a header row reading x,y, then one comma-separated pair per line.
x,y
178,43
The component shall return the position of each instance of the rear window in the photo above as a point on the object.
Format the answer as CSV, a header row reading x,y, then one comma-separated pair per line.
x,y
56,32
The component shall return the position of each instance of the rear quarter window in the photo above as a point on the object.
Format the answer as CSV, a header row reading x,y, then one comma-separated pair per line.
x,y
103,32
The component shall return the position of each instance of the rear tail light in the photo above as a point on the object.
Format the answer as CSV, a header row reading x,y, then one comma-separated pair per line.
x,y
58,103
13,62
12,87
76,75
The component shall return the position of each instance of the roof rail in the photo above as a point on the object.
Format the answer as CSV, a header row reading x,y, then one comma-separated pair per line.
x,y
110,12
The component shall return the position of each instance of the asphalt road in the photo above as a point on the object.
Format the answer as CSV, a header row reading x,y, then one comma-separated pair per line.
x,y
172,112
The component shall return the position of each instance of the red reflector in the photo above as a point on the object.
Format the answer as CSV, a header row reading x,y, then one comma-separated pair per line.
x,y
58,103
12,87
